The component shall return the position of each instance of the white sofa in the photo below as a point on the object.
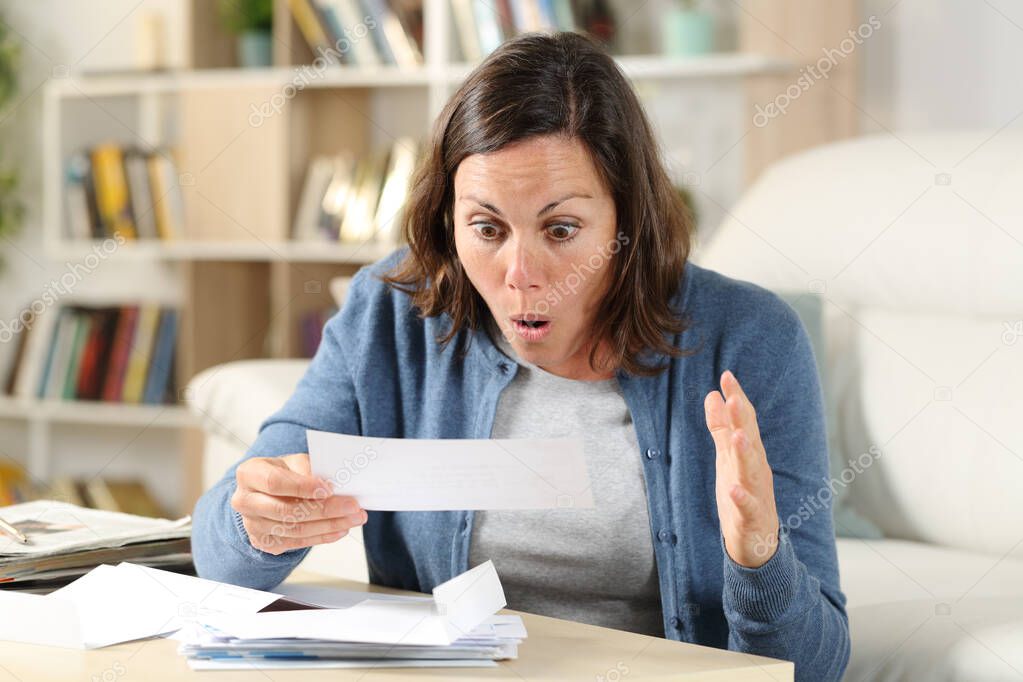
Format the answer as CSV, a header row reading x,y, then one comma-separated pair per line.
x,y
914,245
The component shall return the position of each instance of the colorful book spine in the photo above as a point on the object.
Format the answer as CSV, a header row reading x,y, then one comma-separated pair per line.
x,y
162,364
141,353
111,187
119,353
168,203
83,327
96,355
52,384
309,24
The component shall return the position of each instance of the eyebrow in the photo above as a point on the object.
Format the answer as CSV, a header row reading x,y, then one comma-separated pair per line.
x,y
546,209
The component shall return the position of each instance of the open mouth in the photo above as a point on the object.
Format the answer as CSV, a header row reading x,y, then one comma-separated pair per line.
x,y
530,327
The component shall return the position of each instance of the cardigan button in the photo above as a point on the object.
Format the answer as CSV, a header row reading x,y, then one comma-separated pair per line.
x,y
663,535
651,453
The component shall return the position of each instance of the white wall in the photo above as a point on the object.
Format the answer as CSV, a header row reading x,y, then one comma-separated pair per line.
x,y
942,65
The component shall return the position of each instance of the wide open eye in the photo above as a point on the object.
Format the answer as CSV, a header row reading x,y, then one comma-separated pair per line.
x,y
486,231
562,232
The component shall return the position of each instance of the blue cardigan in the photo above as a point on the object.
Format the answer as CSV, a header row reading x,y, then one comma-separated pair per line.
x,y
380,372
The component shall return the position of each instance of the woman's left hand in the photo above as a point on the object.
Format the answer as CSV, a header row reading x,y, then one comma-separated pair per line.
x,y
745,485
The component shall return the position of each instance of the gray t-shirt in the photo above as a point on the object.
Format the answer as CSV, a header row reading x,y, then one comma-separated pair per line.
x,y
589,565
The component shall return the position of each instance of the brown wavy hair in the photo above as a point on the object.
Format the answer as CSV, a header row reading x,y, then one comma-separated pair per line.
x,y
555,84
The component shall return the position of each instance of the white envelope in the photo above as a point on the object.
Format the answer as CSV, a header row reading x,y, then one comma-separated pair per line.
x,y
407,474
112,604
458,606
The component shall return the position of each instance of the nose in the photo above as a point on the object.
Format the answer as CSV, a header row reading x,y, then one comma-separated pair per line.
x,y
523,271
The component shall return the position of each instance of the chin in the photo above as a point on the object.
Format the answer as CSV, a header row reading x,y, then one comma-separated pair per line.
x,y
535,355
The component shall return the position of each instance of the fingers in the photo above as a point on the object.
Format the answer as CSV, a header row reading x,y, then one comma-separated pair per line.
x,y
275,537
747,505
741,413
732,425
717,421
274,477
278,545
292,509
266,528
284,507
744,452
298,463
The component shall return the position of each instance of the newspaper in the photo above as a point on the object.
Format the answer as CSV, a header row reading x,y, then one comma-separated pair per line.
x,y
54,528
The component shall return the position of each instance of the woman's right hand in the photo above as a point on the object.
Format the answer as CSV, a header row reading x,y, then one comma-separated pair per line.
x,y
283,506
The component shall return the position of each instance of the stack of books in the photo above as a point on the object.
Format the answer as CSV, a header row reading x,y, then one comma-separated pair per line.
x,y
67,541
124,193
116,354
356,200
362,32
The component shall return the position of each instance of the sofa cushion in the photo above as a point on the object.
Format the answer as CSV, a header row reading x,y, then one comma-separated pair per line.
x,y
936,401
924,221
232,400
848,521
921,612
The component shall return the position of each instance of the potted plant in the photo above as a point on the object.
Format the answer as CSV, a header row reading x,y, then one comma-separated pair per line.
x,y
11,208
251,21
687,29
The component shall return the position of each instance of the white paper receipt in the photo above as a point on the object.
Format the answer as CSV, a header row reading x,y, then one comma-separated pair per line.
x,y
406,474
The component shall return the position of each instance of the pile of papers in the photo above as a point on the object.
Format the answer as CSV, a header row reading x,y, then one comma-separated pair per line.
x,y
113,604
496,639
457,626
222,626
66,541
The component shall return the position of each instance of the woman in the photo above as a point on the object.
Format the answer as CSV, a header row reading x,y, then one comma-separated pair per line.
x,y
546,292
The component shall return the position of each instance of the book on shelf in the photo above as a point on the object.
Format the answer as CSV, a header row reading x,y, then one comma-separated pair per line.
x,y
122,192
141,354
481,26
360,207
310,330
15,485
115,354
401,163
356,200
110,185
128,495
362,32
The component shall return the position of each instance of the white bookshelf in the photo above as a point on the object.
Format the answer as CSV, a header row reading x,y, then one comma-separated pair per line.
x,y
150,91
159,108
638,67
283,251
41,417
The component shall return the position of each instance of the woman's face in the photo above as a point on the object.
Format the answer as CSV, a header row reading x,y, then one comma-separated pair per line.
x,y
535,232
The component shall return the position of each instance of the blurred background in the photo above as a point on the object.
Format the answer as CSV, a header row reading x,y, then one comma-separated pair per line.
x,y
186,185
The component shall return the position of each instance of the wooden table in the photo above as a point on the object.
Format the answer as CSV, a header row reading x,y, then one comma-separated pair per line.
x,y
555,650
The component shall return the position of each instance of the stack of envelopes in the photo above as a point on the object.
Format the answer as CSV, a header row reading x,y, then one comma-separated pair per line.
x,y
221,626
457,626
